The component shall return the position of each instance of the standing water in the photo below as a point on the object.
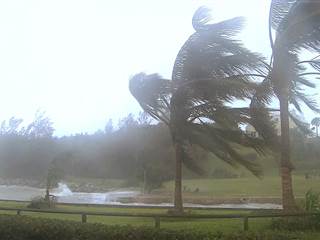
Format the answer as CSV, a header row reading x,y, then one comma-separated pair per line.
x,y
65,195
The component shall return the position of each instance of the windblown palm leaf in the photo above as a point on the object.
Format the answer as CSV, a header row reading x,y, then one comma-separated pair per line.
x,y
153,94
316,121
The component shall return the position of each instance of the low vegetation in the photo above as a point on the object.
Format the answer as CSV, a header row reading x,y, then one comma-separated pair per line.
x,y
26,228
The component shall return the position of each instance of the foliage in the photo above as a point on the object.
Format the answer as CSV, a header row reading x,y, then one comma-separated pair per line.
x,y
312,201
54,176
316,123
26,228
312,205
116,156
296,223
41,203
211,71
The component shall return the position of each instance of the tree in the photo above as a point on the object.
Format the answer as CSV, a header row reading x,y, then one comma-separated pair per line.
x,y
127,122
54,175
41,127
316,122
109,127
295,24
12,127
144,119
210,72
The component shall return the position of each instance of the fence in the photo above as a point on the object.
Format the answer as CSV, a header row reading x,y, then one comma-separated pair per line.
x,y
157,217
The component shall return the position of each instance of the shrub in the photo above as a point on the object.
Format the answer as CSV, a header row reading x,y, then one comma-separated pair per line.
x,y
312,201
311,204
27,228
41,203
296,223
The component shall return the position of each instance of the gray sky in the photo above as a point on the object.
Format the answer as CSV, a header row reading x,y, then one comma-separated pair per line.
x,y
73,58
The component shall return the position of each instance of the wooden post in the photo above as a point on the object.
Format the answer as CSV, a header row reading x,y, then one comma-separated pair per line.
x,y
157,222
245,224
84,218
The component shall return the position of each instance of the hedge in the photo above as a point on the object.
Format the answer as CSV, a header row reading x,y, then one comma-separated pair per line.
x,y
311,223
28,228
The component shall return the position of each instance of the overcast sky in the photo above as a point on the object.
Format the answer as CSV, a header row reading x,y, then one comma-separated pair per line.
x,y
73,58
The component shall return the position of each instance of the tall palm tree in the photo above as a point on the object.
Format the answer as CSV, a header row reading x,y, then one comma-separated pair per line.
x,y
294,26
316,122
211,71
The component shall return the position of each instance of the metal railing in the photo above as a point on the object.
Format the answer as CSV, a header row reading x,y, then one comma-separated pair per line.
x,y
157,217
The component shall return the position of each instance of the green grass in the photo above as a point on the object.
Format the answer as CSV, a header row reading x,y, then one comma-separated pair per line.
x,y
269,186
207,225
226,225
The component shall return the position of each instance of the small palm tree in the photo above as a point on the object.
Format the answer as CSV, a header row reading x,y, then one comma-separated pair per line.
x,y
316,122
296,25
211,71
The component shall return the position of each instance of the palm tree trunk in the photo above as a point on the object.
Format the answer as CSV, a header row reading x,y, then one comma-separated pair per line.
x,y
288,201
178,204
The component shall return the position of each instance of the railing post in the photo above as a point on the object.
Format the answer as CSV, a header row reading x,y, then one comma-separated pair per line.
x,y
19,212
84,218
157,222
245,224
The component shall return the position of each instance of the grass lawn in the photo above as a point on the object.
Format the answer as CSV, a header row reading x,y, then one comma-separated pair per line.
x,y
269,186
225,225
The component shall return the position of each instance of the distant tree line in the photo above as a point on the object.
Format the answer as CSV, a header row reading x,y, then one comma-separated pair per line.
x,y
135,150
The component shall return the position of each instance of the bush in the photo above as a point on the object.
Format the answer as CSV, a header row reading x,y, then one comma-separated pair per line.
x,y
27,228
312,201
296,223
42,203
311,204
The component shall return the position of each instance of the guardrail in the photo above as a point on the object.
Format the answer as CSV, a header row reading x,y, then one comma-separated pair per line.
x,y
157,217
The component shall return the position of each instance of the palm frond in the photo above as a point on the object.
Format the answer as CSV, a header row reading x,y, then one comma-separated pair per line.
x,y
153,94
219,146
211,51
314,63
299,25
190,162
263,92
278,13
301,125
307,100
305,82
201,17
316,121
262,122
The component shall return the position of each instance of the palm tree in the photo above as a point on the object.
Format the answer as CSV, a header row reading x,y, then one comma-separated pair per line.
x,y
316,122
211,71
295,25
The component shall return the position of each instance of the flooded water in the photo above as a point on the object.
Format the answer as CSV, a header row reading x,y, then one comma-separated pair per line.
x,y
65,195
